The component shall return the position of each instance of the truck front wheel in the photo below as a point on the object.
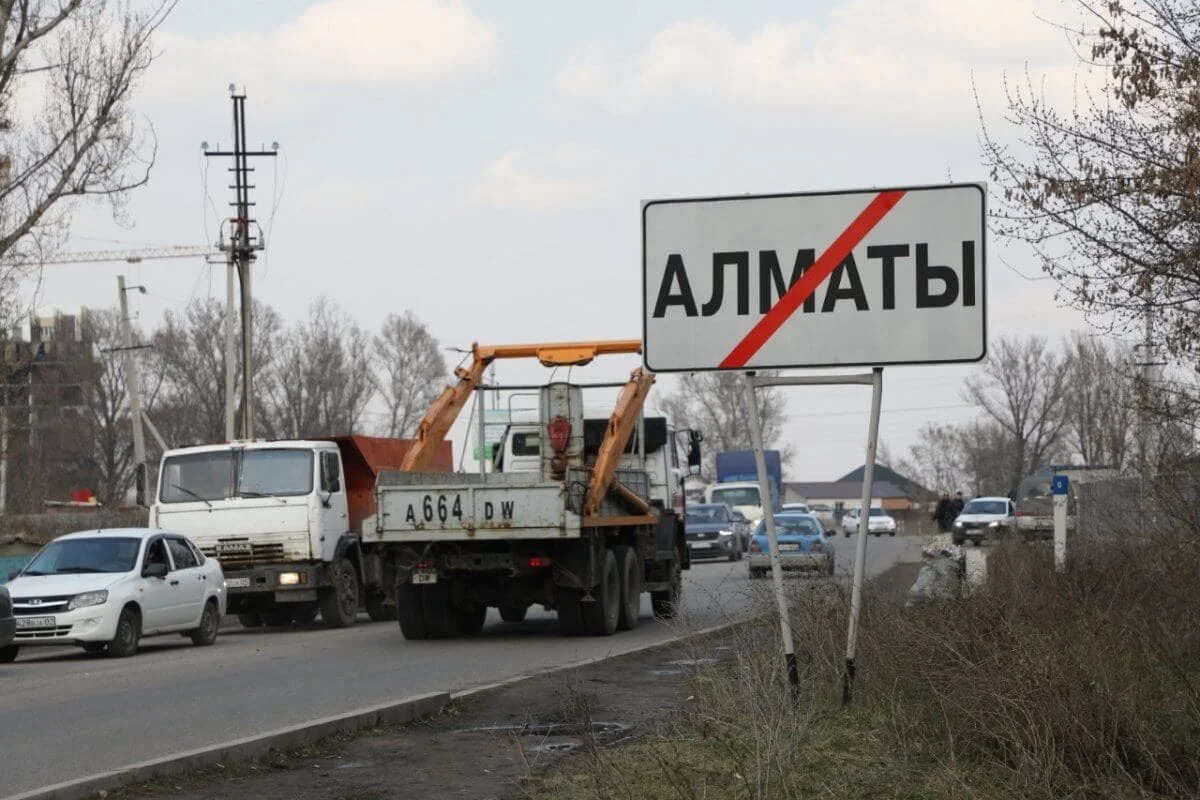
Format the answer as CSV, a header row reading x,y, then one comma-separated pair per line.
x,y
666,601
339,602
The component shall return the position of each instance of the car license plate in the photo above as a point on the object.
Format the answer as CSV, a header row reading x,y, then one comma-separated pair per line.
x,y
35,622
789,547
424,577
237,583
701,545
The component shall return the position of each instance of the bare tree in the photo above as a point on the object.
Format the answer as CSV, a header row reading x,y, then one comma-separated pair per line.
x,y
83,60
1102,412
409,371
321,381
1023,386
714,403
935,460
1108,192
189,352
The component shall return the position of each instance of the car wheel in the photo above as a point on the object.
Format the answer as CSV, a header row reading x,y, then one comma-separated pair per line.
x,y
339,603
8,653
891,533
210,622
129,631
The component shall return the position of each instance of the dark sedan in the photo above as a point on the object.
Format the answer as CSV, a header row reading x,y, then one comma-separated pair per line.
x,y
711,533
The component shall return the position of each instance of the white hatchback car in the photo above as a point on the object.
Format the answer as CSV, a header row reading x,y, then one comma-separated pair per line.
x,y
105,589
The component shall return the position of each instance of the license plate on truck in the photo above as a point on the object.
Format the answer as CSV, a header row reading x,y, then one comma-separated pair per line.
x,y
35,622
424,577
237,583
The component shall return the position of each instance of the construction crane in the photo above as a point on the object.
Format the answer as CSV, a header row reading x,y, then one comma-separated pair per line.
x,y
129,256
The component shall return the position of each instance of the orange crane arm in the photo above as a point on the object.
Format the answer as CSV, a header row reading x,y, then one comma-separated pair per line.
x,y
620,426
441,415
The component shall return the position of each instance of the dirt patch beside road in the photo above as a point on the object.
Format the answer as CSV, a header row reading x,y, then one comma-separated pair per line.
x,y
489,744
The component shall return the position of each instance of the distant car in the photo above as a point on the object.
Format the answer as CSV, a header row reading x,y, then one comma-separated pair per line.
x,y
879,523
799,508
823,512
8,623
983,517
709,528
803,545
106,589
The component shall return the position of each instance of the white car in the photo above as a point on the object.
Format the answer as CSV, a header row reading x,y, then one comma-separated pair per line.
x,y
105,589
984,517
878,524
795,508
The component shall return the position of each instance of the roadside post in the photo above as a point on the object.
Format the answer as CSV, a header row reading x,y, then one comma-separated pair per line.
x,y
860,278
1059,486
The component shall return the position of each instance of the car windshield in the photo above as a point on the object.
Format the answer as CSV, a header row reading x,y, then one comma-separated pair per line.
x,y
192,477
703,515
878,512
791,526
737,496
77,556
986,507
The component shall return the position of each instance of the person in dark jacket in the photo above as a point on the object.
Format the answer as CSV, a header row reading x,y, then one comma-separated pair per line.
x,y
957,504
944,513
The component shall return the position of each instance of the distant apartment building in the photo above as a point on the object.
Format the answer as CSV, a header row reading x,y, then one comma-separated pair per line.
x,y
45,364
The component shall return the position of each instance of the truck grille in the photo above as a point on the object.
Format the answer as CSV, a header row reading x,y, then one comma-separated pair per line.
x,y
241,553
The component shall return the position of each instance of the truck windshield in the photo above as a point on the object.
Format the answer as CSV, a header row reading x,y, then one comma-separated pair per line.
x,y
737,496
192,477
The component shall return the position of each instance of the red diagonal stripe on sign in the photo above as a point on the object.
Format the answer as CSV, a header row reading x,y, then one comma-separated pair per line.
x,y
802,289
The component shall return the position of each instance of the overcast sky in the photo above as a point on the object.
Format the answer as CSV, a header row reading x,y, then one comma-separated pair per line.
x,y
483,163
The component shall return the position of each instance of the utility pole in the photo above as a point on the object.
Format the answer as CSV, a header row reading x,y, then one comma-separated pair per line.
x,y
242,246
1149,365
230,348
135,398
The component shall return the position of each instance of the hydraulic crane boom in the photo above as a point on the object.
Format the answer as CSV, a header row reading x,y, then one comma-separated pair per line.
x,y
450,403
620,428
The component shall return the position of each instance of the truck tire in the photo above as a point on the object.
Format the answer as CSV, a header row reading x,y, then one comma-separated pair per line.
x,y
378,608
441,617
600,616
666,601
471,619
410,612
570,612
339,602
513,613
630,569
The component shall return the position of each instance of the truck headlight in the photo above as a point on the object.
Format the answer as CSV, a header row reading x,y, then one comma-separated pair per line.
x,y
88,599
289,578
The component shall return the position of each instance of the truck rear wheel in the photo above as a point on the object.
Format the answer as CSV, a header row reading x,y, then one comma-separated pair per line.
x,y
441,618
410,612
600,616
666,601
339,602
250,619
630,569
513,613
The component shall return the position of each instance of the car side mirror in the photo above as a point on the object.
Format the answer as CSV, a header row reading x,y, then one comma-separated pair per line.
x,y
155,570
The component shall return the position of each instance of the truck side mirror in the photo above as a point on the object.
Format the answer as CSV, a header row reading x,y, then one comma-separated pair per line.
x,y
139,482
693,456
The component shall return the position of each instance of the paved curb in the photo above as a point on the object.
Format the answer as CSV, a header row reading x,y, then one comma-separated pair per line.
x,y
245,749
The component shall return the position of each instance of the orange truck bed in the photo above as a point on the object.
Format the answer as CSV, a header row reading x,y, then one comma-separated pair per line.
x,y
364,457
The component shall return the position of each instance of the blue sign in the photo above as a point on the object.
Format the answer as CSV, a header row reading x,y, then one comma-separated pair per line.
x,y
1058,484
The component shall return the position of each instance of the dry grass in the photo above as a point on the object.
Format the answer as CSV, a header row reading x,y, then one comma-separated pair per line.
x,y
1083,685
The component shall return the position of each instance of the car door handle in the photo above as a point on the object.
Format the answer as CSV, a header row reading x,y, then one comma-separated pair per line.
x,y
174,583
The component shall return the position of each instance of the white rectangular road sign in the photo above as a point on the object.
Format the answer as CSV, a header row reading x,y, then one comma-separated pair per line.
x,y
829,279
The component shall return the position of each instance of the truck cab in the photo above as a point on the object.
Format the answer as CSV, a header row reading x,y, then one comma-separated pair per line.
x,y
743,496
284,520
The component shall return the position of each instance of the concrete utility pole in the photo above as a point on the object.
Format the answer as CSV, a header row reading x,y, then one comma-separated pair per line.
x,y
131,380
1149,365
242,246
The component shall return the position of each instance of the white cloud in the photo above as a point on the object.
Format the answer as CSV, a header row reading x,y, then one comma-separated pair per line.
x,y
381,42
567,177
895,62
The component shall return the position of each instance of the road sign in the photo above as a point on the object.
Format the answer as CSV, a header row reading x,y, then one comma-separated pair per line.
x,y
1059,484
824,279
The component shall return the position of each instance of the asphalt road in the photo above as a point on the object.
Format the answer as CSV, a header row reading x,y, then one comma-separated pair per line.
x,y
65,714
